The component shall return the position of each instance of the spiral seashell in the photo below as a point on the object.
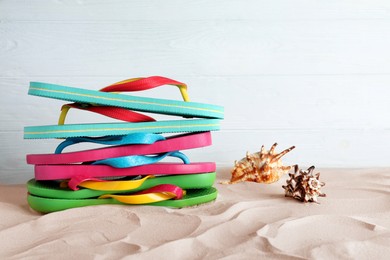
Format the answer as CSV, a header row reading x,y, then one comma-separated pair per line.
x,y
263,167
304,185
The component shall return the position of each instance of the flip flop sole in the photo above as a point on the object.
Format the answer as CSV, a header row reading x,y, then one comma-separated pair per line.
x,y
109,129
160,106
68,171
52,189
173,143
193,197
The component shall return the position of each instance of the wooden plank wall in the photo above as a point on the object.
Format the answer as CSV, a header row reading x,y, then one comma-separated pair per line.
x,y
315,74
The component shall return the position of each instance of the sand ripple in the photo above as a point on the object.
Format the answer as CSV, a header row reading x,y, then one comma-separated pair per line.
x,y
247,221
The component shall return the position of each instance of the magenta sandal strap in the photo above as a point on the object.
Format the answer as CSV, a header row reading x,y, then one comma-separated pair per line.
x,y
62,172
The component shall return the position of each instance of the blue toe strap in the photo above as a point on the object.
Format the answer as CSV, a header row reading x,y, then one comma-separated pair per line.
x,y
135,138
137,160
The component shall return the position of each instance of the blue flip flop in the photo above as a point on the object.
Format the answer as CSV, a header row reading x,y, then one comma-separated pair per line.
x,y
154,105
111,129
105,100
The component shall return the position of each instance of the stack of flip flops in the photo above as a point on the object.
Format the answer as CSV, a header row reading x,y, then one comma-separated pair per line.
x,y
127,168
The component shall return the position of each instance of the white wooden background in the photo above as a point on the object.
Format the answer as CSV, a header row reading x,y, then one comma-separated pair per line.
x,y
315,74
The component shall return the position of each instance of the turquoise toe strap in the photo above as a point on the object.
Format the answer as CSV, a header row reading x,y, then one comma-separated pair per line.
x,y
134,138
137,160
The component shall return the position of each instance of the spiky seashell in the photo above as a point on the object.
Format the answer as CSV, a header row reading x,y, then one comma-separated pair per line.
x,y
264,166
304,185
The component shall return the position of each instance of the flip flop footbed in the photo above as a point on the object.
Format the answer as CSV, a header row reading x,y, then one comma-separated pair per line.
x,y
154,105
110,129
193,197
52,189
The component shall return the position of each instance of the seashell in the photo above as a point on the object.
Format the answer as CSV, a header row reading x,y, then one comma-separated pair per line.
x,y
263,167
304,185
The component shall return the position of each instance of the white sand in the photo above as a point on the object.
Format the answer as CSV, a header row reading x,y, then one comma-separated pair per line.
x,y
247,221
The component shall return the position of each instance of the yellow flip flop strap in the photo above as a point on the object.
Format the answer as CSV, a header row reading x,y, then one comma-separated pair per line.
x,y
114,185
142,198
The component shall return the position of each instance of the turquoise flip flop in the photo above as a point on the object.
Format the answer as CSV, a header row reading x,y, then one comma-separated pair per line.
x,y
110,129
154,105
105,100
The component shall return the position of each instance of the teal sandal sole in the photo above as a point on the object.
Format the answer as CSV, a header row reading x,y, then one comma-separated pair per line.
x,y
104,129
154,105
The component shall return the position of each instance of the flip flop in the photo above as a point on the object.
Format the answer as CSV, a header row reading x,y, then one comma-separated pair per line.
x,y
105,98
110,129
123,166
193,197
116,106
134,144
55,189
68,171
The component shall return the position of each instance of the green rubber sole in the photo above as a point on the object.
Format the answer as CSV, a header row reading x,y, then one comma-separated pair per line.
x,y
160,106
52,189
193,197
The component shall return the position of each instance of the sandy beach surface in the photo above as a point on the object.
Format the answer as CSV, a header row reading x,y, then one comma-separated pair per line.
x,y
247,221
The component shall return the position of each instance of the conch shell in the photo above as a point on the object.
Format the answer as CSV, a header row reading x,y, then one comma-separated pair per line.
x,y
263,167
304,186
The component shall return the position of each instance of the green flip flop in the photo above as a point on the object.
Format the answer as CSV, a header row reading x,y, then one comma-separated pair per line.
x,y
193,197
52,189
